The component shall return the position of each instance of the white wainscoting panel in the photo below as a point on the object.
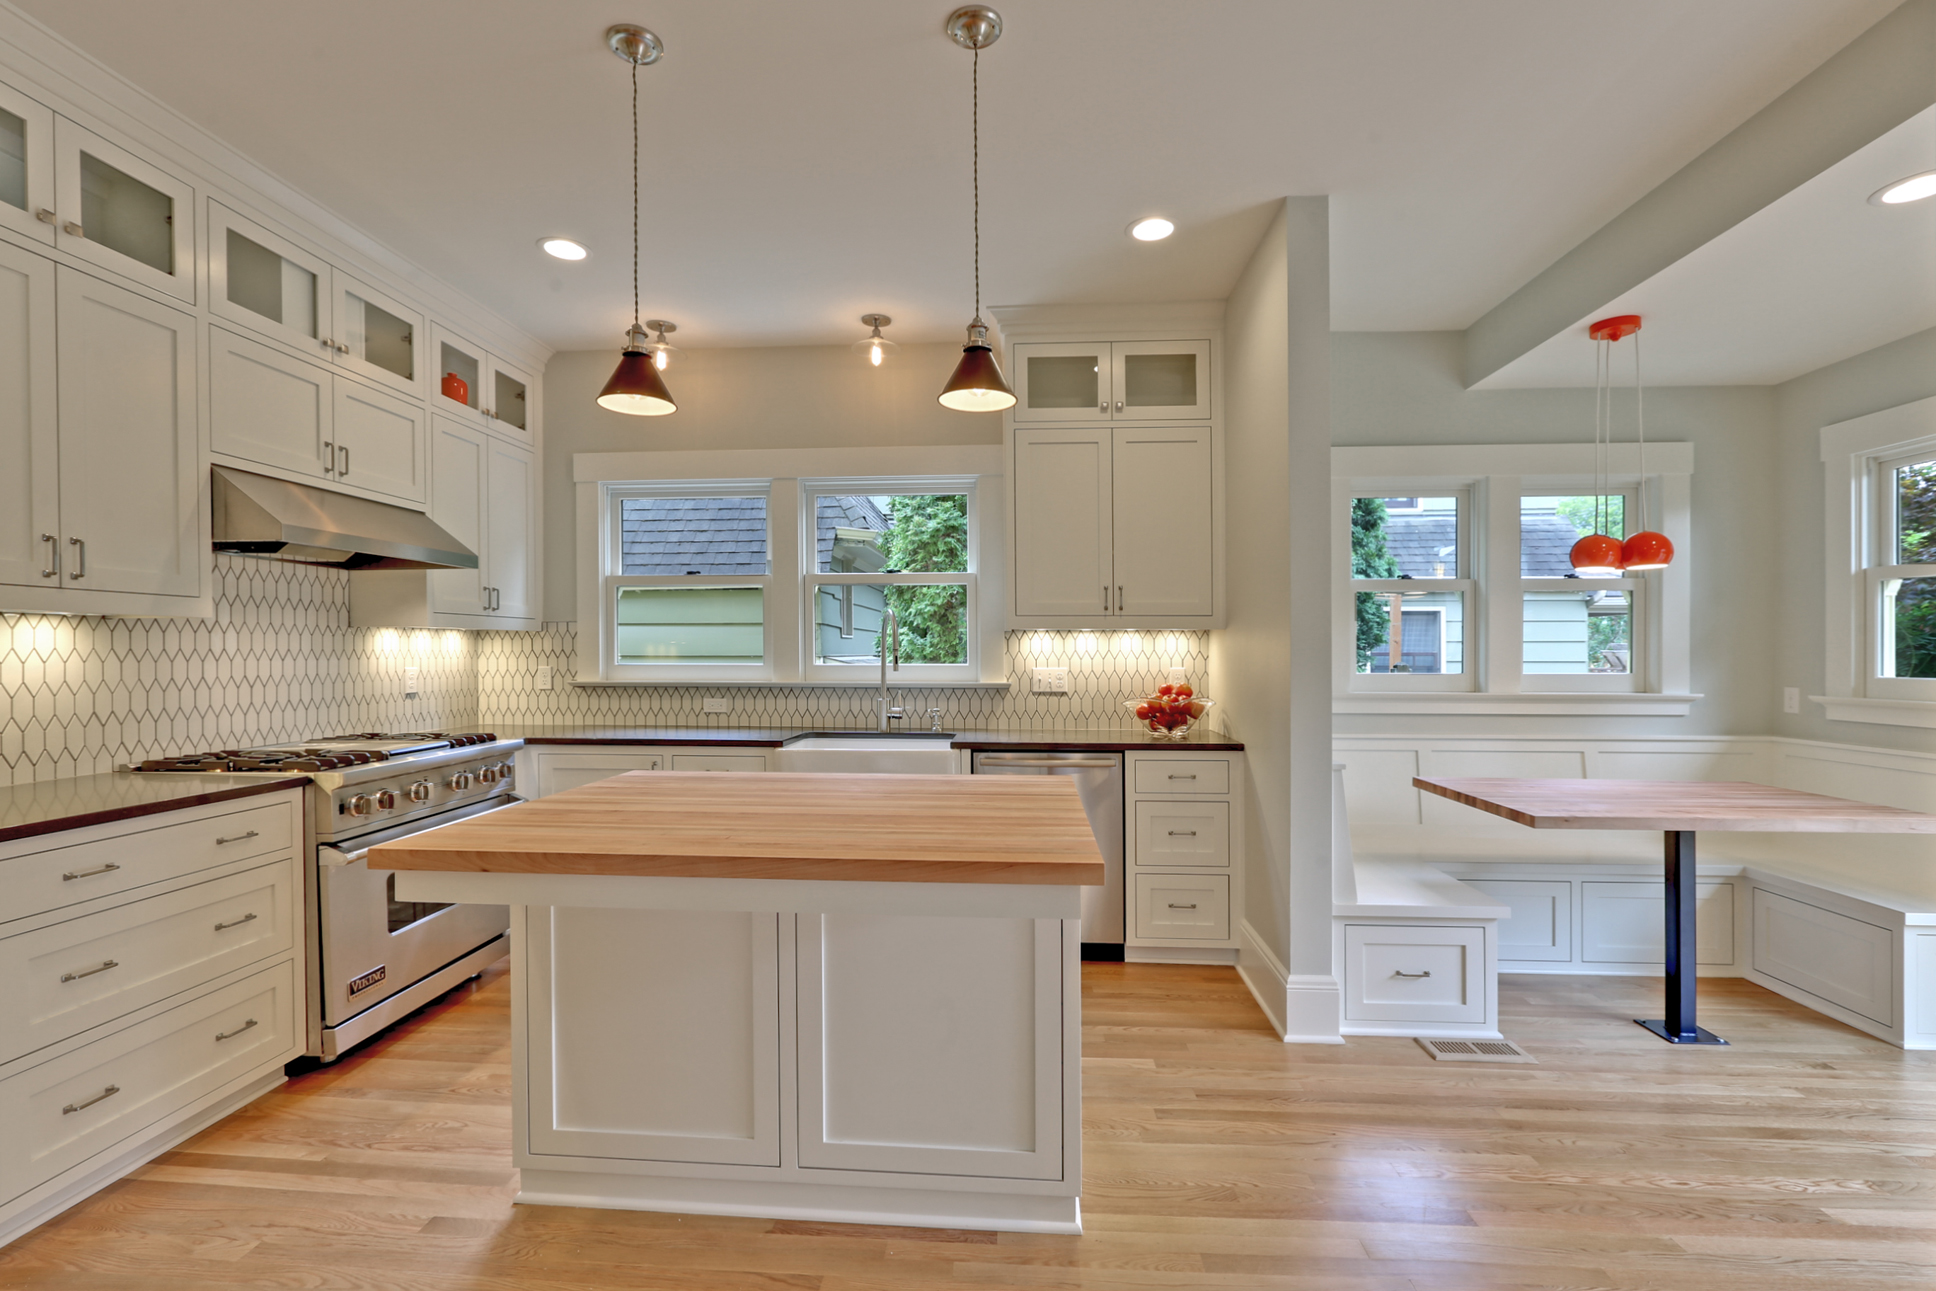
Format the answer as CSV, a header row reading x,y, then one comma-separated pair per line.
x,y
1843,960
1541,927
1625,922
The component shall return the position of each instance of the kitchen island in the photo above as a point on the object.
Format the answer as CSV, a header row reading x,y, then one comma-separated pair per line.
x,y
828,997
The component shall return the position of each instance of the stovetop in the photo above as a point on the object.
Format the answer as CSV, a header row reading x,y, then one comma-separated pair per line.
x,y
329,754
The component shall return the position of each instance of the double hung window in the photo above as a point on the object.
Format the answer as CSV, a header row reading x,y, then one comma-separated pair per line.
x,y
1902,583
888,566
688,580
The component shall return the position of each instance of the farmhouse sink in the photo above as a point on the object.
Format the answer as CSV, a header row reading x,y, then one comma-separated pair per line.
x,y
871,753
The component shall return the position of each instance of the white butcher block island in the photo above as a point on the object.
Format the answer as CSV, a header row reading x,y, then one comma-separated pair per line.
x,y
833,997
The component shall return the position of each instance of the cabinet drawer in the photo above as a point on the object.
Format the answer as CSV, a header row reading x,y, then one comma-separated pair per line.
x,y
67,977
1414,974
56,1115
1183,775
719,762
42,881
1182,833
1194,907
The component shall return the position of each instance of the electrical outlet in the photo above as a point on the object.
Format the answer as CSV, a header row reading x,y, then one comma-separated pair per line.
x,y
715,705
1179,676
1049,681
544,677
410,682
1791,699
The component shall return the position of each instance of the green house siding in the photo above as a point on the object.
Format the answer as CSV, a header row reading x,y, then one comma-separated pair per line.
x,y
691,625
1555,632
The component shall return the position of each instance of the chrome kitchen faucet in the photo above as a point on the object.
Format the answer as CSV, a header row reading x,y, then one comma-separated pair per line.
x,y
890,628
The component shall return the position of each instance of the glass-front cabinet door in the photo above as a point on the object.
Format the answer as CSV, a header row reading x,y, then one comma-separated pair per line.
x,y
26,166
459,376
119,211
510,390
267,283
375,336
1159,380
1062,382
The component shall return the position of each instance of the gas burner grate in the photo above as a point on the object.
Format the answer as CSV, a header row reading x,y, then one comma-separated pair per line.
x,y
1475,1050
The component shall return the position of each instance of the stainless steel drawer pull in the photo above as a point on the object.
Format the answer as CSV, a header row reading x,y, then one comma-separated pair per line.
x,y
1402,973
105,966
71,875
230,1035
53,558
236,923
1183,833
239,838
109,1092
1183,777
1175,906
80,556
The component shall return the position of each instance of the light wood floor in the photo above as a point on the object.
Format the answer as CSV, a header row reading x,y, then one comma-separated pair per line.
x,y
1216,1157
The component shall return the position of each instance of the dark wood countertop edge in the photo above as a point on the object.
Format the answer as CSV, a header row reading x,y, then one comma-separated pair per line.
x,y
977,743
133,811
399,856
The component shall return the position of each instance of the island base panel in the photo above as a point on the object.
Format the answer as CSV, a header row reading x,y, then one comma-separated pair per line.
x,y
913,1207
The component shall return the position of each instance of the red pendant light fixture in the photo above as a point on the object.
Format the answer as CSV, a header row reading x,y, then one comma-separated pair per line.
x,y
977,384
1598,554
636,388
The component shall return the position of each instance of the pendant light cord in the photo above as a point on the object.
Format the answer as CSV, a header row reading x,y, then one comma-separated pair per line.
x,y
1640,423
975,99
635,194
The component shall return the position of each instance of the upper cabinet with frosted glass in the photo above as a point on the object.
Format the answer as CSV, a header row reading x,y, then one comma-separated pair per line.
x,y
1114,381
471,384
121,212
26,166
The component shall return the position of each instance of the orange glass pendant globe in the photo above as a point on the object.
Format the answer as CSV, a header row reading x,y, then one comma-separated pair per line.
x,y
1647,550
1596,554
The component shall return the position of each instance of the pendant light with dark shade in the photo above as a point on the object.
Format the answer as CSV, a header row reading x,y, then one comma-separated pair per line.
x,y
636,388
977,384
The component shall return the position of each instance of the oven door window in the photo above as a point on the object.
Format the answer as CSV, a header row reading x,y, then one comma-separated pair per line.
x,y
404,913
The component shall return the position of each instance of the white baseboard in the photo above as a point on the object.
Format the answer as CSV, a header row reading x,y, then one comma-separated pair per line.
x,y
1179,955
1304,1009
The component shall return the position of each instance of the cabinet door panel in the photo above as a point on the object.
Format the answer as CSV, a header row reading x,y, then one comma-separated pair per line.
x,y
450,355
558,771
931,1045
1625,922
29,432
267,407
1061,382
266,283
1164,532
1160,380
130,480
379,442
686,1004
26,166
510,398
511,537
457,466
135,219
1062,522
375,336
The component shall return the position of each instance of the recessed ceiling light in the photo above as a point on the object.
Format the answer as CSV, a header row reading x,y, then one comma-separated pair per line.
x,y
1913,189
1153,229
563,248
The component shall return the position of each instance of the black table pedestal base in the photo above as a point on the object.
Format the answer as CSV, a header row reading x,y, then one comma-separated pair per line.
x,y
1701,1034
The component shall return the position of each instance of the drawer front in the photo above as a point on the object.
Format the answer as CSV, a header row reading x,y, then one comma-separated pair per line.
x,y
719,762
67,977
1183,775
1415,974
57,1114
558,772
1182,833
1195,907
42,881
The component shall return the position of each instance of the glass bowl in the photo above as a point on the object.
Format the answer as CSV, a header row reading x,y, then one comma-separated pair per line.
x,y
1152,726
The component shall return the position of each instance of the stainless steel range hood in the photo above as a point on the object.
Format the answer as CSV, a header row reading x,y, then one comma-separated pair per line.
x,y
259,516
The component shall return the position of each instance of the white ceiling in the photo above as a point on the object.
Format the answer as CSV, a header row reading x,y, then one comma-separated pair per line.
x,y
1814,277
808,163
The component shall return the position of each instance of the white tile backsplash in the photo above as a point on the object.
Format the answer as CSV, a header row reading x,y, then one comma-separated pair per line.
x,y
278,662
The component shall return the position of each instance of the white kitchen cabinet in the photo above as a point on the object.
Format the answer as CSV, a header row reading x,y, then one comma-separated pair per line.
x,y
1114,526
26,166
459,460
379,441
261,280
511,531
496,394
121,212
375,336
1416,974
1088,381
30,534
1185,831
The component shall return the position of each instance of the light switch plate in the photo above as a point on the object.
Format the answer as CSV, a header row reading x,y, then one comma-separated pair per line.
x,y
1179,676
715,705
1791,699
544,677
410,682
1049,681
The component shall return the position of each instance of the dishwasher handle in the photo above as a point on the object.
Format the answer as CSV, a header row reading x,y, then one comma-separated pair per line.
x,y
1098,764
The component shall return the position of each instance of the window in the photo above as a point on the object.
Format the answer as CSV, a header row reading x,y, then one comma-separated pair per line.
x,y
1882,567
1458,588
787,580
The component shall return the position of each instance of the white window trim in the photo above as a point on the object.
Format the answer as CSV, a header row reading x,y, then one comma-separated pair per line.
x,y
1852,452
787,475
1496,476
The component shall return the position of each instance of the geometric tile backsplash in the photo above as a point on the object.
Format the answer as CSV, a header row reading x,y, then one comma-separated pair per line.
x,y
280,662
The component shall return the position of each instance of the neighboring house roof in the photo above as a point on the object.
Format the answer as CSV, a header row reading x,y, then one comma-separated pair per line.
x,y
843,513
723,535
1422,543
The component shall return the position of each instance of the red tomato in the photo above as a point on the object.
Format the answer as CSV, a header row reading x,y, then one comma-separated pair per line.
x,y
1142,712
1184,691
1166,690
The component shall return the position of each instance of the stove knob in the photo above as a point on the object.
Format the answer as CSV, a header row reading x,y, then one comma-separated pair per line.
x,y
386,800
420,791
489,775
505,771
360,805
459,782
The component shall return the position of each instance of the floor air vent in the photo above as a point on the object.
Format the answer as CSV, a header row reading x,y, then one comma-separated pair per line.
x,y
1475,1051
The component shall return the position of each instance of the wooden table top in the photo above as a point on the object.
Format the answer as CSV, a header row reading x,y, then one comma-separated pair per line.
x,y
854,828
1674,804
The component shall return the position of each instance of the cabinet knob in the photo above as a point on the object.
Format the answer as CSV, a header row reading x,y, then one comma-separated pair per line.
x,y
1119,405
73,230
1103,406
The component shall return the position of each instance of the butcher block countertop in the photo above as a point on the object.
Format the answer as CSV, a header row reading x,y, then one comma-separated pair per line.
x,y
851,828
1674,805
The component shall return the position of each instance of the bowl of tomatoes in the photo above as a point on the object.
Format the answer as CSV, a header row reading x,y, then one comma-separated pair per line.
x,y
1171,713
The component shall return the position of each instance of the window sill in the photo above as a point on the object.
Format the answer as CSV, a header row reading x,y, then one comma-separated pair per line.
x,y
1525,704
1878,712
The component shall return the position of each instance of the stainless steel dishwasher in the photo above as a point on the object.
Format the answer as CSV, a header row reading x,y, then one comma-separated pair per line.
x,y
1099,779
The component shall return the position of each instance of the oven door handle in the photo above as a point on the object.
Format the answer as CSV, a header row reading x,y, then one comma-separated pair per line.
x,y
329,855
